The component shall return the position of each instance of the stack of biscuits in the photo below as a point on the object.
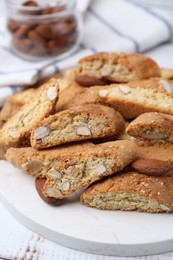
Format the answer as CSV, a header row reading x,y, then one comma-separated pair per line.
x,y
105,125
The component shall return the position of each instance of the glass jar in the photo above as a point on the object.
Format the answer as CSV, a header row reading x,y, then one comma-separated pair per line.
x,y
42,29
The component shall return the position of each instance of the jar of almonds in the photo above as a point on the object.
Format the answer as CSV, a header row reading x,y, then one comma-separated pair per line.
x,y
40,29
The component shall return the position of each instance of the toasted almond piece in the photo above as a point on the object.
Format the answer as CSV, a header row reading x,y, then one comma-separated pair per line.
x,y
34,167
124,89
101,168
26,119
54,174
39,183
14,133
97,64
53,193
65,185
166,85
41,132
152,167
106,71
83,130
103,92
70,169
153,135
167,105
164,207
52,92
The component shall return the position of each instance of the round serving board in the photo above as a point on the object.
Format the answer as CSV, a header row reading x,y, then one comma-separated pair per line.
x,y
76,226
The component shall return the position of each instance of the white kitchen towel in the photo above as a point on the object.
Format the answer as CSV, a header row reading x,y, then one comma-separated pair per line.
x,y
111,25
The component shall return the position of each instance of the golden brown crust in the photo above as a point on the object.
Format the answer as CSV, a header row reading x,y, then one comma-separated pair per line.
x,y
38,162
68,88
143,193
130,100
118,67
66,95
162,152
76,124
159,83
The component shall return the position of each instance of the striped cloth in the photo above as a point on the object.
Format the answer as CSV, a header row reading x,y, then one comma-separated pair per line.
x,y
111,25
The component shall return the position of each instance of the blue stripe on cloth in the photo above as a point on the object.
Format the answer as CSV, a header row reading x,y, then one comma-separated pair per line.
x,y
82,45
156,15
115,30
14,89
56,68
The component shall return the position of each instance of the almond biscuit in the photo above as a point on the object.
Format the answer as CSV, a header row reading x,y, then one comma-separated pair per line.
x,y
38,162
130,100
152,127
131,191
99,68
77,124
76,171
16,131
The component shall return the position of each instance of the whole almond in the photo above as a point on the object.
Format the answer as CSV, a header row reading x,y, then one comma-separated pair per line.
x,y
61,42
13,25
39,183
63,28
152,167
22,45
46,31
23,30
37,51
87,81
36,38
30,3
32,10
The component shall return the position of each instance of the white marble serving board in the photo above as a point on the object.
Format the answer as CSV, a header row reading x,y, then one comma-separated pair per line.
x,y
76,226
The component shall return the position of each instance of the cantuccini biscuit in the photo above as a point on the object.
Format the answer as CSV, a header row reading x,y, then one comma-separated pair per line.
x,y
100,68
38,162
16,131
74,172
152,127
77,124
15,102
131,191
130,100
